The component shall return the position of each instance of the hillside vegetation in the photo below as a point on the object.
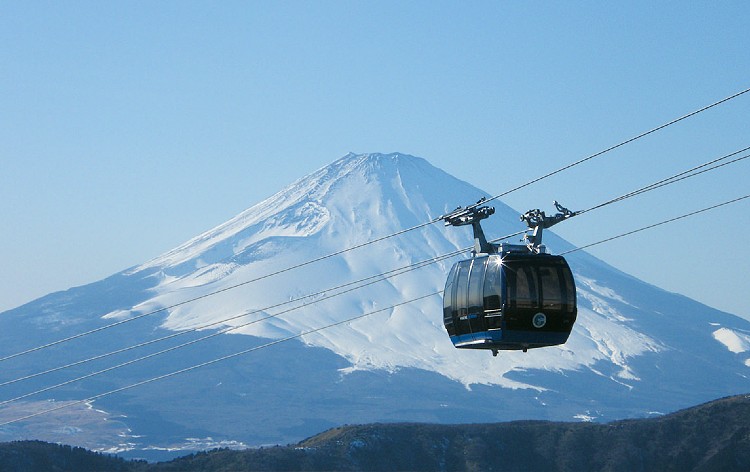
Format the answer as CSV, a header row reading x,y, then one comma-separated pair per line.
x,y
709,437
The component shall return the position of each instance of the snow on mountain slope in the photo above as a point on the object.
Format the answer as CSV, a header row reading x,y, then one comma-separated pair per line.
x,y
354,200
736,342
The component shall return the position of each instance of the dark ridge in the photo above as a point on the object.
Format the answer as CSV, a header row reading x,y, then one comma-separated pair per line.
x,y
33,456
709,437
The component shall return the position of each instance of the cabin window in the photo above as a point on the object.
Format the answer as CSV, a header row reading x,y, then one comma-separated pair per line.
x,y
493,284
521,286
552,287
570,290
462,288
448,296
476,285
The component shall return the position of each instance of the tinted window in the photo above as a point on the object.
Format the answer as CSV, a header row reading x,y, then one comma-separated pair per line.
x,y
493,284
521,285
448,295
552,287
570,289
476,284
462,286
525,296
538,281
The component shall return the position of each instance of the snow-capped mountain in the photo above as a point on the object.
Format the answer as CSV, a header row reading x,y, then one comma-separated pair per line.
x,y
635,349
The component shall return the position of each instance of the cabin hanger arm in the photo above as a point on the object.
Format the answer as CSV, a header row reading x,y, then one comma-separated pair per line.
x,y
538,221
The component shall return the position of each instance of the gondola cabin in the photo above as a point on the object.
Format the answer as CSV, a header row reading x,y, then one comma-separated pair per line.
x,y
509,301
509,297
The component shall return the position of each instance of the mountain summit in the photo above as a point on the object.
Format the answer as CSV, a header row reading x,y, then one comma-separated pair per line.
x,y
635,350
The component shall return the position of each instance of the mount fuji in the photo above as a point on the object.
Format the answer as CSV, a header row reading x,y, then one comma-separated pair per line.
x,y
635,350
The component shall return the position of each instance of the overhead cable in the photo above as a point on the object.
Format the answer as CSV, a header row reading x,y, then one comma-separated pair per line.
x,y
216,292
672,179
623,143
90,399
697,170
207,337
316,298
336,253
656,224
213,361
246,351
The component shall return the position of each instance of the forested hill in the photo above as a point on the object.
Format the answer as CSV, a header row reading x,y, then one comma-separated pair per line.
x,y
709,437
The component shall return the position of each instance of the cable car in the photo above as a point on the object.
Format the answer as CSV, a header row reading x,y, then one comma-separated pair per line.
x,y
509,297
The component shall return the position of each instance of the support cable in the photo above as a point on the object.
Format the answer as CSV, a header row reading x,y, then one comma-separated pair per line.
x,y
203,338
246,351
187,369
380,277
675,178
213,361
362,283
697,170
216,292
656,224
623,143
434,220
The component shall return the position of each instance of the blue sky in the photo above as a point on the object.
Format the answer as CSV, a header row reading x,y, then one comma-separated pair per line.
x,y
129,127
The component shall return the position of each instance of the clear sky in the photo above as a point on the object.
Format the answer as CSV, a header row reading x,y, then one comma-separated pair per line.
x,y
130,127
